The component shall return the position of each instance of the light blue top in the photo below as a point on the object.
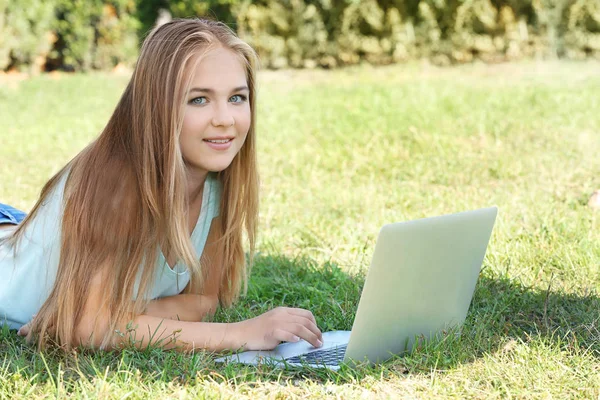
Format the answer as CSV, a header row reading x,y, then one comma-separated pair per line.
x,y
27,277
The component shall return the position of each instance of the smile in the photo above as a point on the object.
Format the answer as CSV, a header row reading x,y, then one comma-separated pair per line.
x,y
218,140
219,144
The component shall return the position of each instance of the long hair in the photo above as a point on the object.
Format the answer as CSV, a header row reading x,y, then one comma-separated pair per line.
x,y
125,195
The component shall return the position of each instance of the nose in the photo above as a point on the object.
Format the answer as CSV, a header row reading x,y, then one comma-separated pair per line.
x,y
222,117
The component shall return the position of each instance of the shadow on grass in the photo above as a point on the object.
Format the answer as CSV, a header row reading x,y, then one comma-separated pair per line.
x,y
502,310
505,309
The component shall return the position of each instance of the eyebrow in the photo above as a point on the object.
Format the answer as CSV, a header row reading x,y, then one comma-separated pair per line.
x,y
211,91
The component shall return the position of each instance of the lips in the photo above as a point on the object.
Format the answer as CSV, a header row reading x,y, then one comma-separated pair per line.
x,y
218,140
219,144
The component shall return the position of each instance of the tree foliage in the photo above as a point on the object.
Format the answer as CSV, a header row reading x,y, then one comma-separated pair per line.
x,y
99,34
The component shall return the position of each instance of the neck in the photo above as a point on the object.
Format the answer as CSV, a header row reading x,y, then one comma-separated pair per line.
x,y
195,184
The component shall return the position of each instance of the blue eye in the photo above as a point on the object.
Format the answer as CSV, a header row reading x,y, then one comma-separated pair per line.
x,y
198,100
239,98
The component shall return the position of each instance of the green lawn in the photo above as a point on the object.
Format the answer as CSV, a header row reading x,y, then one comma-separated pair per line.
x,y
342,153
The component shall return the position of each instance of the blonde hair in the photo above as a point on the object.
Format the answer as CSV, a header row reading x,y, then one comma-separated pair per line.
x,y
125,195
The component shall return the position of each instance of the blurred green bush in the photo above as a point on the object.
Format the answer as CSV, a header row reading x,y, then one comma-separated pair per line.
x,y
26,33
76,35
99,34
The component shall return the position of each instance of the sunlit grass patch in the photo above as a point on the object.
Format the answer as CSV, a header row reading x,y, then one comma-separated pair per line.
x,y
341,153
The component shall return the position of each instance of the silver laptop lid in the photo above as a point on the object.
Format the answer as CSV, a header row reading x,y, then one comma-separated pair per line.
x,y
421,281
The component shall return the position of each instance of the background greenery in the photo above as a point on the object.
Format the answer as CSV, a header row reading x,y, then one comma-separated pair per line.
x,y
342,153
99,34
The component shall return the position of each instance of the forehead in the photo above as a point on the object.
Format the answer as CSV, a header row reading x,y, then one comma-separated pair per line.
x,y
219,67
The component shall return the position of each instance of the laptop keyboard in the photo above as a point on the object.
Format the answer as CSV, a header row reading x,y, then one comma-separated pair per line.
x,y
332,356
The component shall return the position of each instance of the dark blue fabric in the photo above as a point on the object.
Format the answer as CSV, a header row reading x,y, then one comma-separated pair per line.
x,y
10,215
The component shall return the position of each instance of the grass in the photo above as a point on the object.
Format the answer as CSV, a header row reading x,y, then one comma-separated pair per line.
x,y
341,153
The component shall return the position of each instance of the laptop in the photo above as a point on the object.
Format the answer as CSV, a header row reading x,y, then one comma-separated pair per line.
x,y
420,283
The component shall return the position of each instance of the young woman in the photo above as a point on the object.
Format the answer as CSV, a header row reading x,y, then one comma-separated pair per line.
x,y
139,237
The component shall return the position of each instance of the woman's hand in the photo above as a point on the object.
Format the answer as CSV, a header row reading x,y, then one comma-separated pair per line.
x,y
281,324
24,330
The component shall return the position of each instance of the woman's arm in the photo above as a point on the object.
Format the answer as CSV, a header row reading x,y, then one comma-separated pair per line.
x,y
180,335
194,306
167,322
183,307
260,333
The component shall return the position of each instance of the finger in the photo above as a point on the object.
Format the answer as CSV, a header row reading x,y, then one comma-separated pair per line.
x,y
24,330
302,317
307,323
303,313
306,334
294,314
284,335
308,315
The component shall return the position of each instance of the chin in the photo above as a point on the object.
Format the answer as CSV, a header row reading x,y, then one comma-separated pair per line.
x,y
218,166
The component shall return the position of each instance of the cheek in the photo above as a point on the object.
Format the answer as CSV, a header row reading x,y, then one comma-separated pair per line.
x,y
190,130
246,127
243,122
196,120
189,122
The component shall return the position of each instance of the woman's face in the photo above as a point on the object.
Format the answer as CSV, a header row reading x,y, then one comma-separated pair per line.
x,y
217,112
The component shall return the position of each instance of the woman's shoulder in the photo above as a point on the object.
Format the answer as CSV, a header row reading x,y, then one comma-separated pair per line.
x,y
47,219
42,232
